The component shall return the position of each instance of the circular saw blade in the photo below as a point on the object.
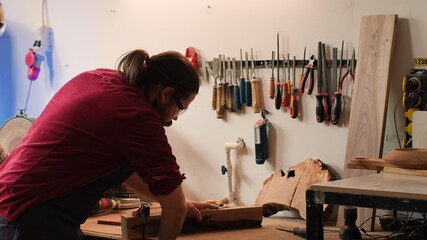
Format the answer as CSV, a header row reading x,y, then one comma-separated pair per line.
x,y
13,131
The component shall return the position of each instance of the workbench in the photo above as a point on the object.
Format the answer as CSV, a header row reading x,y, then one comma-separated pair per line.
x,y
381,191
93,230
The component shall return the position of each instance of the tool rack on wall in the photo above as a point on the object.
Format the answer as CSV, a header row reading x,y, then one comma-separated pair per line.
x,y
282,63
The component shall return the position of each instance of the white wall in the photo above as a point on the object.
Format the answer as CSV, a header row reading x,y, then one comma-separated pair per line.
x,y
92,34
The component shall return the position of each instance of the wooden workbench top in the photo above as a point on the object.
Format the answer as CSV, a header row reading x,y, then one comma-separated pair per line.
x,y
382,184
267,231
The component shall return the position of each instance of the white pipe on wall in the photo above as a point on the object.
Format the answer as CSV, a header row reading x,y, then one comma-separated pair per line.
x,y
239,144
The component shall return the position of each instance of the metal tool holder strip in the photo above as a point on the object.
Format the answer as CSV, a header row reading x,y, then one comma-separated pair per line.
x,y
283,63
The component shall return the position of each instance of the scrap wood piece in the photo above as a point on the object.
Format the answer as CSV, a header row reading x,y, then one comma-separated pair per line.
x,y
366,163
286,190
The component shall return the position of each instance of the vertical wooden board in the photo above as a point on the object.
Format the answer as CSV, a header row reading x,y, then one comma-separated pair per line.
x,y
370,93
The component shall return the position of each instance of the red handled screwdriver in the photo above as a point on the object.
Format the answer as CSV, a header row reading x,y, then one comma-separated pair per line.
x,y
294,92
336,106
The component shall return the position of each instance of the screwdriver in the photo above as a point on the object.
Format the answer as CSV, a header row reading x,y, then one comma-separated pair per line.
x,y
286,87
296,231
320,114
248,87
336,107
272,80
256,106
302,69
278,100
294,92
326,101
237,105
242,80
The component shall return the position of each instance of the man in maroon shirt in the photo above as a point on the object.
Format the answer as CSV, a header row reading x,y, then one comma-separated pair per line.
x,y
102,128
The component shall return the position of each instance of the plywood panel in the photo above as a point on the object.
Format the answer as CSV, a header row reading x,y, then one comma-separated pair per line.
x,y
370,94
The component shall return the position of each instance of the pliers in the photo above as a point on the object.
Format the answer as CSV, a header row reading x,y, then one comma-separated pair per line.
x,y
349,69
310,71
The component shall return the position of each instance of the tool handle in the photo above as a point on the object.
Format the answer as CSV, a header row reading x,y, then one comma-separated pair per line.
x,y
237,104
224,98
248,93
278,99
304,80
336,108
285,100
272,83
310,83
256,105
326,106
320,114
219,106
242,90
294,103
230,102
214,89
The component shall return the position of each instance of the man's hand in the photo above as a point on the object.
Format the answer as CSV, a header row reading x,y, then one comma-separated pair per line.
x,y
193,208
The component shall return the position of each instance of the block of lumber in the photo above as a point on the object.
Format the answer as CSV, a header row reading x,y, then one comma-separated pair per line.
x,y
286,190
236,217
366,163
370,95
407,171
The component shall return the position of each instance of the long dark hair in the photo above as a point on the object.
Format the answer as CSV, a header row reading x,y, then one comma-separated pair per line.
x,y
169,69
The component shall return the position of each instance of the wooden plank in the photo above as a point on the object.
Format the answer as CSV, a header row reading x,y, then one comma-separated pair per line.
x,y
370,95
419,129
238,217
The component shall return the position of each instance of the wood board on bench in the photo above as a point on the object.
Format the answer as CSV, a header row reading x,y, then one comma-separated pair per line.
x,y
236,217
370,95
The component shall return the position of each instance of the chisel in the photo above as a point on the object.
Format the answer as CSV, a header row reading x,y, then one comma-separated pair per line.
x,y
336,107
248,87
256,106
219,108
242,80
236,105
272,80
230,92
294,92
278,100
213,72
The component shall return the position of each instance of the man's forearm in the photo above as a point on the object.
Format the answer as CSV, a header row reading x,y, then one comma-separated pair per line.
x,y
174,210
